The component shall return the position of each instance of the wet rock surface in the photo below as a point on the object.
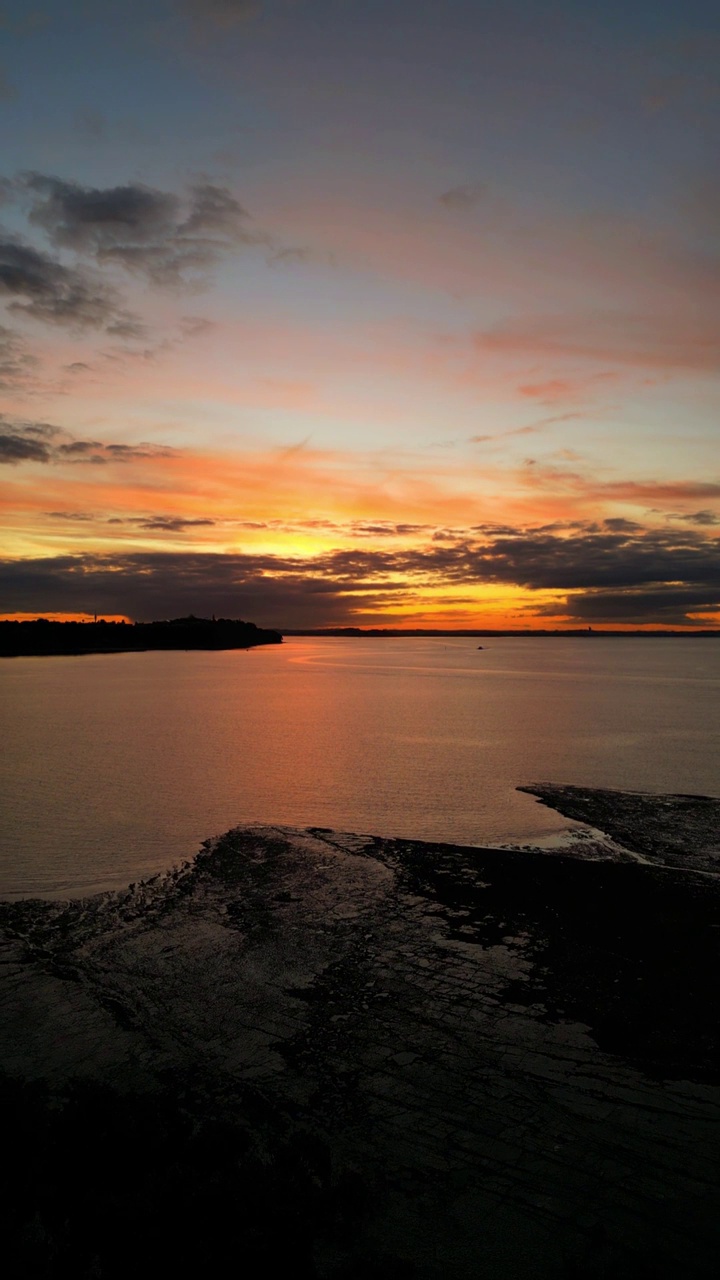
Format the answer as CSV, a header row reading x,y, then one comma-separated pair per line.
x,y
675,831
366,1057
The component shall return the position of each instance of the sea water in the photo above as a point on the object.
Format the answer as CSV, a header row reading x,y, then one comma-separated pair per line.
x,y
116,766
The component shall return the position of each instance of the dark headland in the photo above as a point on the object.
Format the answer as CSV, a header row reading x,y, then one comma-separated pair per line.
x,y
41,636
349,1057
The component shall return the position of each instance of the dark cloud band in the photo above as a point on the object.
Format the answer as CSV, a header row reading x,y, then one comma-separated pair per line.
x,y
158,234
42,442
43,288
643,578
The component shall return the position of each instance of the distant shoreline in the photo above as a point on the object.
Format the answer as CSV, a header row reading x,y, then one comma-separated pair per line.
x,y
582,633
42,638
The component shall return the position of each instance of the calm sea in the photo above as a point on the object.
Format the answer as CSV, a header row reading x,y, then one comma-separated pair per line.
x,y
117,766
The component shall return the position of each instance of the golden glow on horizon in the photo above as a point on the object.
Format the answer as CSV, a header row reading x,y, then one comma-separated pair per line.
x,y
430,622
310,507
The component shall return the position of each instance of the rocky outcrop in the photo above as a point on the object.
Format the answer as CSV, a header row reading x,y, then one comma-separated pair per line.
x,y
364,1057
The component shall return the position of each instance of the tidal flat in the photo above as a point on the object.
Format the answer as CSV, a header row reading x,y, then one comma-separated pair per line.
x,y
366,1057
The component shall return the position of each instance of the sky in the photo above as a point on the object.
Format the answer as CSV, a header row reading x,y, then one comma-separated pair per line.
x,y
328,313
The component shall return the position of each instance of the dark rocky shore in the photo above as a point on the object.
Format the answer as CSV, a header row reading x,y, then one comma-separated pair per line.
x,y
357,1057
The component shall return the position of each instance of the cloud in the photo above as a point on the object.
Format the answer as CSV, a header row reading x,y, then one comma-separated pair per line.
x,y
156,585
556,418
188,329
164,524
69,515
18,448
91,125
385,529
701,518
540,561
93,219
630,558
556,391
46,289
667,339
16,363
544,477
149,232
293,253
215,210
550,389
462,198
97,452
673,606
45,443
25,441
629,575
528,430
618,524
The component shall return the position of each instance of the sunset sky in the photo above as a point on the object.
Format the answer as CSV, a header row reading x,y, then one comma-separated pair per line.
x,y
321,313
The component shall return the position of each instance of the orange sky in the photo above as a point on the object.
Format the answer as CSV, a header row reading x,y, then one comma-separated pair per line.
x,y
375,355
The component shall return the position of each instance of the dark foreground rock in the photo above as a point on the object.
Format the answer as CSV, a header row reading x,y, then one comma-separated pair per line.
x,y
356,1057
675,831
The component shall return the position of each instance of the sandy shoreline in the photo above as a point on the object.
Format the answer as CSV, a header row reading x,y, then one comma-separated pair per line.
x,y
367,1057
